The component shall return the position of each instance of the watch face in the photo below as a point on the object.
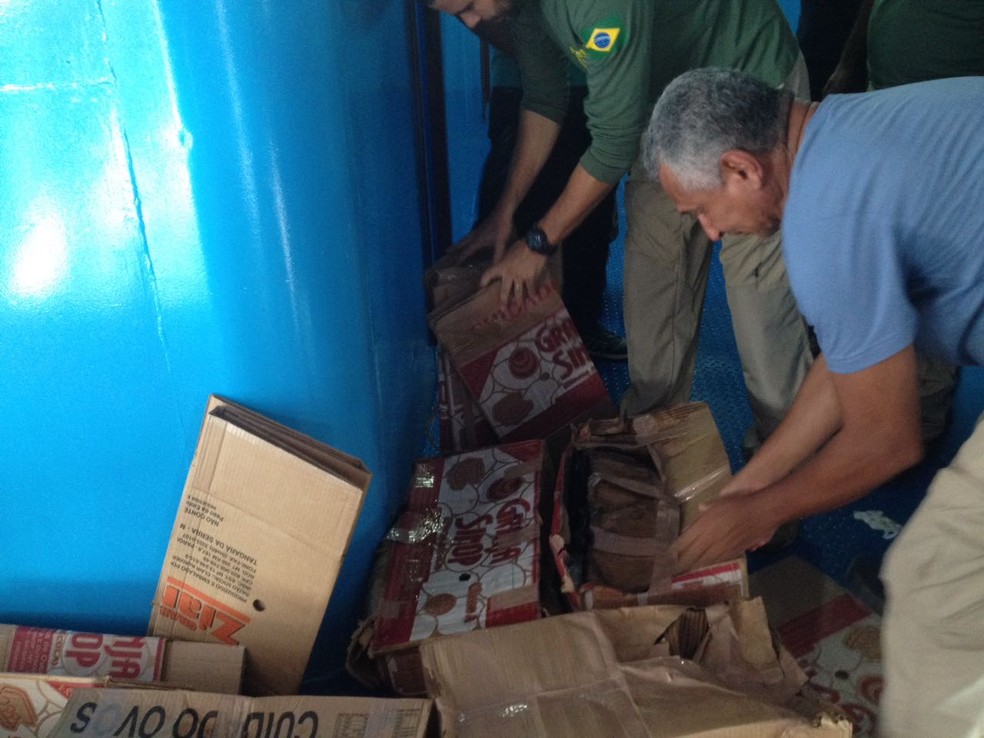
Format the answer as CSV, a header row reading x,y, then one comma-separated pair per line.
x,y
536,239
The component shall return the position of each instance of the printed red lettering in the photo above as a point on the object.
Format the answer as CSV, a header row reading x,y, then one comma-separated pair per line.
x,y
85,649
197,611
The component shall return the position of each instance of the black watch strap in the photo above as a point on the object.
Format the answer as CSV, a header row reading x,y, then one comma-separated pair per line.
x,y
537,242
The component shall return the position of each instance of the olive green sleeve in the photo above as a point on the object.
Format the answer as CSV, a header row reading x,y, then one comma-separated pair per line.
x,y
619,100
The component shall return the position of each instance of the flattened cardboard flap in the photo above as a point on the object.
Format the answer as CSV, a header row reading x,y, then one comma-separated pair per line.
x,y
159,714
262,527
613,672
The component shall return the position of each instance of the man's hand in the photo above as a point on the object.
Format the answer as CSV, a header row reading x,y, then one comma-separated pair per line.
x,y
727,528
494,233
520,273
876,435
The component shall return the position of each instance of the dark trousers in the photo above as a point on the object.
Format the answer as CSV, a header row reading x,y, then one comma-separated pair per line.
x,y
585,251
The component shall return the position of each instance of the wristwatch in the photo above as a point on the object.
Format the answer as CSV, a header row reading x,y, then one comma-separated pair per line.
x,y
537,242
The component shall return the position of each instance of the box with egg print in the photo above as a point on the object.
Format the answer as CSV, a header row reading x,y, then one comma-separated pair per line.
x,y
463,555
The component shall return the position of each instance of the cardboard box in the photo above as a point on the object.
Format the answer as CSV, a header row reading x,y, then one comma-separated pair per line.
x,y
32,704
262,527
447,282
464,554
212,667
526,367
462,425
687,465
178,714
655,671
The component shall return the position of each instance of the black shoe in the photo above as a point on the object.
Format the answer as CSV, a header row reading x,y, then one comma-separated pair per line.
x,y
605,345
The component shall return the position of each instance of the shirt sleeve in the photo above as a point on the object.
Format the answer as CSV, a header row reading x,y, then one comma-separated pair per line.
x,y
619,100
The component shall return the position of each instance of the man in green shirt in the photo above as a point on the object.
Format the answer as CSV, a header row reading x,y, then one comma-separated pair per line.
x,y
630,49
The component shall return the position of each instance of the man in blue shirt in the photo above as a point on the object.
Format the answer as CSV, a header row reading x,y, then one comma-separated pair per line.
x,y
879,197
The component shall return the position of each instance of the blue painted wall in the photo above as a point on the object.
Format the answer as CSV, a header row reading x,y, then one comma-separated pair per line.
x,y
467,122
196,197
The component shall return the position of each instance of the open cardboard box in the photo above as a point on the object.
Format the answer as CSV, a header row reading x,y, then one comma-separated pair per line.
x,y
465,553
261,530
525,366
692,465
212,667
102,713
653,671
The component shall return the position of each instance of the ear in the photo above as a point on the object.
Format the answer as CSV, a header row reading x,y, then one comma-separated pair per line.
x,y
742,168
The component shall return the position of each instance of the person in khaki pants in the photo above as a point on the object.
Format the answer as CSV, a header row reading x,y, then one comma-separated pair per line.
x,y
878,196
629,50
667,259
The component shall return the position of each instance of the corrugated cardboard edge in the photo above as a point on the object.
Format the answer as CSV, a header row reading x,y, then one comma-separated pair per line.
x,y
207,667
101,713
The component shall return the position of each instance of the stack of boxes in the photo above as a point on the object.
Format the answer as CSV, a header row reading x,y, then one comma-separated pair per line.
x,y
527,586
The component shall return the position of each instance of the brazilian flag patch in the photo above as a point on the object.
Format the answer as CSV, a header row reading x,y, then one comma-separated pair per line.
x,y
603,39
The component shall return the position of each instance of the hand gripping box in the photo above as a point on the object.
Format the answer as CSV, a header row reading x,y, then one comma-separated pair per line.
x,y
262,527
119,713
526,366
625,489
212,667
463,555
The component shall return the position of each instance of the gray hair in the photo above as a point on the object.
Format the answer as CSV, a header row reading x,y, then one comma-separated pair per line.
x,y
705,112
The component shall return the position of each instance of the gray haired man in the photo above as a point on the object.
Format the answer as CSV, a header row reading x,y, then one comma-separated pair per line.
x,y
879,198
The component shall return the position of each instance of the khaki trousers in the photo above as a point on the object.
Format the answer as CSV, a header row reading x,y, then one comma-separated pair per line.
x,y
933,629
667,261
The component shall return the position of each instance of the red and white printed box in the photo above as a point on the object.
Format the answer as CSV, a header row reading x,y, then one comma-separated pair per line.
x,y
153,660
463,425
526,366
72,653
465,553
32,704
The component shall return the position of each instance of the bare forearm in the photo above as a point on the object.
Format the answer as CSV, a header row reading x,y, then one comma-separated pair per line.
x,y
581,195
813,418
876,436
848,467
